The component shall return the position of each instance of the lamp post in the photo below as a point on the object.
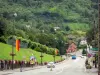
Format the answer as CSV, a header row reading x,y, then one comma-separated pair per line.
x,y
95,42
61,57
42,52
12,53
41,58
54,57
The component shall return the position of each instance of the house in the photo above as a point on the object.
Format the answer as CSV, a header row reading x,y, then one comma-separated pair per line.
x,y
72,48
83,42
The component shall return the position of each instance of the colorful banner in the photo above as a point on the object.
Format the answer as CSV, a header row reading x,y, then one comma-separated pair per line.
x,y
17,45
56,52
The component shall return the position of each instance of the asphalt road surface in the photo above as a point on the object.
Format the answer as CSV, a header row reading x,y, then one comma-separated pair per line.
x,y
67,67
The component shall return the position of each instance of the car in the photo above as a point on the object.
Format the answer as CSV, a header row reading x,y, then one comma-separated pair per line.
x,y
73,56
81,56
51,64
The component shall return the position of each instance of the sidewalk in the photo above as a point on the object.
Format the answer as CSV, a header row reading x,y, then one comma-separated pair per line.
x,y
7,72
93,71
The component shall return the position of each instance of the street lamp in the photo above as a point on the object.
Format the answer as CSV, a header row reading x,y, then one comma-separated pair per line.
x,y
61,57
41,57
54,57
55,42
15,15
54,51
12,54
41,51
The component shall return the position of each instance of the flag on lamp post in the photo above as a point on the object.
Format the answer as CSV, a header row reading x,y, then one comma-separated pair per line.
x,y
17,45
56,52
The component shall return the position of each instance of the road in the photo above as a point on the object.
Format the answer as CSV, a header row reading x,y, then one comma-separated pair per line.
x,y
67,67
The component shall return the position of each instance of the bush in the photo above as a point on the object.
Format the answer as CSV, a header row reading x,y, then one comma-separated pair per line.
x,y
84,51
2,39
24,41
82,46
45,63
29,44
12,37
33,45
37,49
20,33
50,51
44,49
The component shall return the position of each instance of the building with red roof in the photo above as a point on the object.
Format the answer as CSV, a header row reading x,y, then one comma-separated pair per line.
x,y
72,48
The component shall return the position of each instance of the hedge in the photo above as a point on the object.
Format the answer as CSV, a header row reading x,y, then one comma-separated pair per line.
x,y
35,46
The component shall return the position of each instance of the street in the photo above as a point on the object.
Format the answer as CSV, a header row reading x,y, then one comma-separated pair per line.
x,y
49,37
67,67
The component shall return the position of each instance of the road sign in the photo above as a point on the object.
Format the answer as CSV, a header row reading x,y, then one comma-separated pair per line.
x,y
32,57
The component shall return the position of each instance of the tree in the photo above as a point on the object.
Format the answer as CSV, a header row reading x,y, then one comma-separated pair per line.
x,y
67,28
36,15
84,51
3,26
20,33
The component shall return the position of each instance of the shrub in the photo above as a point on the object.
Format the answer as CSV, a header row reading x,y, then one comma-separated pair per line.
x,y
82,46
20,33
44,49
45,63
29,44
2,39
84,51
50,51
24,41
37,49
12,37
33,45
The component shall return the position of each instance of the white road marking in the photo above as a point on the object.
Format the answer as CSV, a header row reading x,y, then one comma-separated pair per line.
x,y
62,69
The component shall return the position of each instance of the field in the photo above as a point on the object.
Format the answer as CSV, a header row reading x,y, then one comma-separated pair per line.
x,y
23,54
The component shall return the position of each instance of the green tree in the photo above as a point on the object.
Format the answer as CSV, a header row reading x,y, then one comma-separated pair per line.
x,y
3,26
84,51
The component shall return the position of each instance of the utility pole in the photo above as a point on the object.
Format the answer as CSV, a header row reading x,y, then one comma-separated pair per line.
x,y
54,57
99,38
41,58
42,51
13,42
95,41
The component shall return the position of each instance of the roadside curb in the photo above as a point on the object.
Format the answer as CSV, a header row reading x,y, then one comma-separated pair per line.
x,y
5,72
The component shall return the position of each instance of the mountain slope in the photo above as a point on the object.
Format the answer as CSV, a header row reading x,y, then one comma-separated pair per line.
x,y
23,54
50,20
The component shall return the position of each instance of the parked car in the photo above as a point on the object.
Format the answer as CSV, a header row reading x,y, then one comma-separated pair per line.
x,y
81,56
51,64
73,56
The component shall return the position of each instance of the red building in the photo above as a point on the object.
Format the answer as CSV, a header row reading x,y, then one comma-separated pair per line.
x,y
72,48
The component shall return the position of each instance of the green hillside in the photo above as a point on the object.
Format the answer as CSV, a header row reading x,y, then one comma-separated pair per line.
x,y
46,21
5,51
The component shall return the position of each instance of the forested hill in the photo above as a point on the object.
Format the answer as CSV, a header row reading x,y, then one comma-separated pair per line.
x,y
45,14
57,18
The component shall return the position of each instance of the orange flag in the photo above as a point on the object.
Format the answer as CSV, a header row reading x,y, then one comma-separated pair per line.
x,y
56,52
17,45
